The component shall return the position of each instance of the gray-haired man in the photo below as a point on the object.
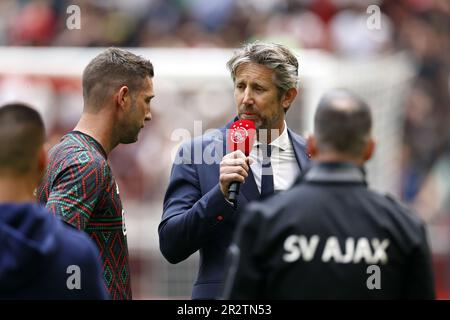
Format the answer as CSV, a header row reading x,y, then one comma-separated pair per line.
x,y
197,214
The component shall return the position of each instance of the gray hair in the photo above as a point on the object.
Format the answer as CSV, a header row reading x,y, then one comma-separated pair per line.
x,y
274,56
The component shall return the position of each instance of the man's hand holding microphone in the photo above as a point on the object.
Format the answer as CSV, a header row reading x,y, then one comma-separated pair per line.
x,y
235,165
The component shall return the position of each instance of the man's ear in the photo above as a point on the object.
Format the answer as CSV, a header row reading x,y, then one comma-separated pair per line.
x,y
369,149
123,96
288,98
311,147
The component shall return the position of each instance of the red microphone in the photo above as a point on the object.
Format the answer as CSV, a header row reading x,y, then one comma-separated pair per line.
x,y
241,136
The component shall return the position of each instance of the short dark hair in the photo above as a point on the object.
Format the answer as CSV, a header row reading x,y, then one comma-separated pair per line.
x,y
22,134
342,122
111,69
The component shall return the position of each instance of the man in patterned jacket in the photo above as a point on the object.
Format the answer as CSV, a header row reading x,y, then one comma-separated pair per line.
x,y
79,186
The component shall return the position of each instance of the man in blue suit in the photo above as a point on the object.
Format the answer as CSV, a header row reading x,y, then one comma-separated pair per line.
x,y
197,212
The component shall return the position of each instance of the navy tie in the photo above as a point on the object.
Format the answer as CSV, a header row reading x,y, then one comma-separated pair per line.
x,y
267,187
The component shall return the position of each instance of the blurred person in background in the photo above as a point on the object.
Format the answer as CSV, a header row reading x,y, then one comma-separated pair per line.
x,y
197,215
79,185
37,250
317,240
433,203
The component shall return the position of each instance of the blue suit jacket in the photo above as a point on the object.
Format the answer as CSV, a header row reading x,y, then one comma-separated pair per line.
x,y
196,215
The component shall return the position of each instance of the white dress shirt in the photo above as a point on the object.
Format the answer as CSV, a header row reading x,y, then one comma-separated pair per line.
x,y
284,164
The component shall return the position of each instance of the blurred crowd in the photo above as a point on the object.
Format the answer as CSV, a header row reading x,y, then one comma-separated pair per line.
x,y
338,26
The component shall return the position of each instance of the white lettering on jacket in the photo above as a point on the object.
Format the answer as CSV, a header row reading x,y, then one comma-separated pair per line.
x,y
354,250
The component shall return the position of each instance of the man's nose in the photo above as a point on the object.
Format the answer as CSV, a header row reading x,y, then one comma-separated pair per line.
x,y
148,116
248,97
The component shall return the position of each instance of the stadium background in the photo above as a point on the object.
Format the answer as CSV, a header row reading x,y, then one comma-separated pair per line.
x,y
401,68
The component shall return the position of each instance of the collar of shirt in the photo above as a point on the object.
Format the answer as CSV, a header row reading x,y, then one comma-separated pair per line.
x,y
284,164
282,142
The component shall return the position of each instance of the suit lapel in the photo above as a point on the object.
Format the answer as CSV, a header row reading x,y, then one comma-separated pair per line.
x,y
299,150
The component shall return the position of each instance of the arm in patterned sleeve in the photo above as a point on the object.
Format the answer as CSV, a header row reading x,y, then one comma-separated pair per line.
x,y
76,190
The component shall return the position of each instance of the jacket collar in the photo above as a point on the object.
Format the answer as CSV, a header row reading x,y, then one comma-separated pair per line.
x,y
335,172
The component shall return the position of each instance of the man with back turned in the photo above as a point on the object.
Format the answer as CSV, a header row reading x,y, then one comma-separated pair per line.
x,y
330,237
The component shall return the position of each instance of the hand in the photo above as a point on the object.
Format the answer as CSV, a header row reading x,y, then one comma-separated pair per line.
x,y
233,167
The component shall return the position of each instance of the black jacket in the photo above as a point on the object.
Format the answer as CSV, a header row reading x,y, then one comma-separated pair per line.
x,y
330,237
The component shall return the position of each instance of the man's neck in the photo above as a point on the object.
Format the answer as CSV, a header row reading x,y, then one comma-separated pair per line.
x,y
266,136
338,157
16,189
99,127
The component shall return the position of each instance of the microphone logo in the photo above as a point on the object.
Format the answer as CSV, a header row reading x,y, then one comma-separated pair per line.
x,y
239,135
